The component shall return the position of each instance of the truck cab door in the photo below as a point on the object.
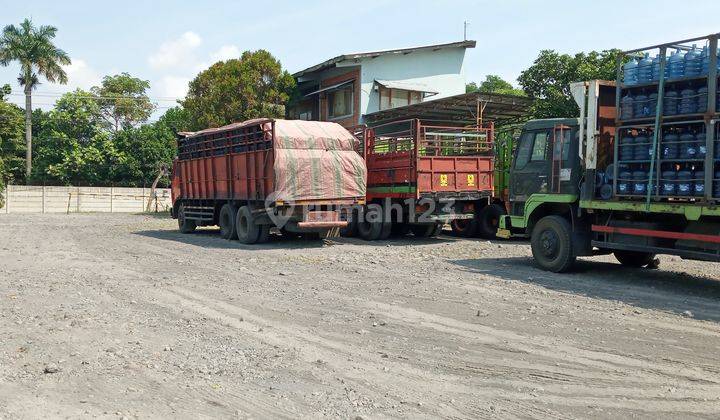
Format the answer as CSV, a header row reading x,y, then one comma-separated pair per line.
x,y
564,165
531,168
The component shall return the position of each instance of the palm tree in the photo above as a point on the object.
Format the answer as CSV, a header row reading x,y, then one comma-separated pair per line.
x,y
33,48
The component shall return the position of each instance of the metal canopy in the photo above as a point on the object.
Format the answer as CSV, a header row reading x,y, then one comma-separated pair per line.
x,y
325,89
406,85
461,109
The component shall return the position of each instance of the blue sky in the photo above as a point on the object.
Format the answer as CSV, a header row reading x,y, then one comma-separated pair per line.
x,y
168,42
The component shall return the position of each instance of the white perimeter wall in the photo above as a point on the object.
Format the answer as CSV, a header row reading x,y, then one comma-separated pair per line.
x,y
38,199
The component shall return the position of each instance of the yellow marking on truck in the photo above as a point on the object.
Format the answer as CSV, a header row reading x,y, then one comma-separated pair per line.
x,y
471,180
443,180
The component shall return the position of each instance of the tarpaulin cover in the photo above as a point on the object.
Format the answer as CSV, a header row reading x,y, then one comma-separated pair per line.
x,y
316,161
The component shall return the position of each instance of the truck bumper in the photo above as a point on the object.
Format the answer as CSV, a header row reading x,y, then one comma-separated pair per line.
x,y
313,220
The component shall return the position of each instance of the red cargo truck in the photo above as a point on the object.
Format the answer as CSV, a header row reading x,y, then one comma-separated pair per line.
x,y
423,176
248,177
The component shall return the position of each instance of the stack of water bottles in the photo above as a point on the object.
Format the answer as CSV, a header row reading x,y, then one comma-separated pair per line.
x,y
693,63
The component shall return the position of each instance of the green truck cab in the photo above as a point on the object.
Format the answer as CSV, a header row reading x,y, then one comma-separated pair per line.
x,y
559,167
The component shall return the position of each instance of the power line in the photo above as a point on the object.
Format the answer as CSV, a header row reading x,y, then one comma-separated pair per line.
x,y
53,95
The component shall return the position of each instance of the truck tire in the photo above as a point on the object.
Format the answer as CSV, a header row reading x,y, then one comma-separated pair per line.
x,y
185,225
352,227
464,227
488,220
551,243
634,258
247,231
370,231
426,231
385,230
226,220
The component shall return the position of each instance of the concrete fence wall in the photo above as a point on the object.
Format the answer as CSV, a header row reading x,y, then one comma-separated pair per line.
x,y
39,199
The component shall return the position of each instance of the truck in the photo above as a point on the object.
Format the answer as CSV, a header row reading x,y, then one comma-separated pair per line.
x,y
248,177
422,176
637,174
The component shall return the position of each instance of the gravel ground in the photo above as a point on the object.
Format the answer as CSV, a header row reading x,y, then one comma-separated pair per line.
x,y
121,316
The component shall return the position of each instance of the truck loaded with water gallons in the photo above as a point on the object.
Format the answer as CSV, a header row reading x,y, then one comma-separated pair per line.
x,y
638,174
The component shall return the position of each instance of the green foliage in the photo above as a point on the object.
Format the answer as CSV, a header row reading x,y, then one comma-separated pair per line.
x,y
33,48
239,89
4,91
12,144
123,100
494,84
549,78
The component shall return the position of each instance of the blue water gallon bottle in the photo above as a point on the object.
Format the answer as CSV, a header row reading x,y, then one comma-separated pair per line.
x,y
670,147
688,148
668,183
688,101
645,69
700,145
630,72
640,180
670,103
684,183
676,64
699,183
640,107
693,62
702,99
627,103
624,183
656,68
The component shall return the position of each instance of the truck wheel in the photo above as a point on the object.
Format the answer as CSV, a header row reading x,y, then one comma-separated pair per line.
x,y
370,231
228,214
426,231
247,231
385,230
634,258
488,220
464,227
352,227
551,243
185,225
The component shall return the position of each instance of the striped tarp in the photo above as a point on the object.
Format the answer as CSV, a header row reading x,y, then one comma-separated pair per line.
x,y
316,161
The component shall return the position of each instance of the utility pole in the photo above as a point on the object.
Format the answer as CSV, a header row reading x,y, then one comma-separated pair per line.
x,y
465,25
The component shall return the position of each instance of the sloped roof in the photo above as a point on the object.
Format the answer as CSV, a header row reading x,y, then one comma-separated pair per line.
x,y
354,56
460,109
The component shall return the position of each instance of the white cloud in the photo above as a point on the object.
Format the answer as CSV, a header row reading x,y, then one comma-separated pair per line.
x,y
175,52
225,52
80,75
173,86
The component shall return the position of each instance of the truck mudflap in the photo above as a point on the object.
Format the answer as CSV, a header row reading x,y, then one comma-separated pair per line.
x,y
322,219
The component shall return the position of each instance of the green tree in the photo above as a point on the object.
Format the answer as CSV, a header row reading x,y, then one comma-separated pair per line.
x,y
239,89
33,48
549,78
74,144
12,145
123,100
494,84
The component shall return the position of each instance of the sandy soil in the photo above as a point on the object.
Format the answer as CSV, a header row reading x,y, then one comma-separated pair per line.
x,y
122,316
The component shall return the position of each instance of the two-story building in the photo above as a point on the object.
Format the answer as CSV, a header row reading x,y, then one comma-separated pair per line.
x,y
348,87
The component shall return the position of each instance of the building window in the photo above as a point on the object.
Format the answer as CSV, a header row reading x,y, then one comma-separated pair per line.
x,y
393,98
340,102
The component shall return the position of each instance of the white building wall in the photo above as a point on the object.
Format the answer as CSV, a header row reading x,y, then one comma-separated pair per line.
x,y
441,71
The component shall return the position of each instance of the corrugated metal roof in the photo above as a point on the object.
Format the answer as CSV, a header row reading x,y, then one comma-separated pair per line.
x,y
335,86
460,109
354,56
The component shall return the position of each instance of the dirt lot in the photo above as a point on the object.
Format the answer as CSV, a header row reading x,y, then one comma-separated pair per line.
x,y
121,316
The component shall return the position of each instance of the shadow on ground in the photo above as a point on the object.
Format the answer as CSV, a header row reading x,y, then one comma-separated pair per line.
x,y
210,238
641,287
